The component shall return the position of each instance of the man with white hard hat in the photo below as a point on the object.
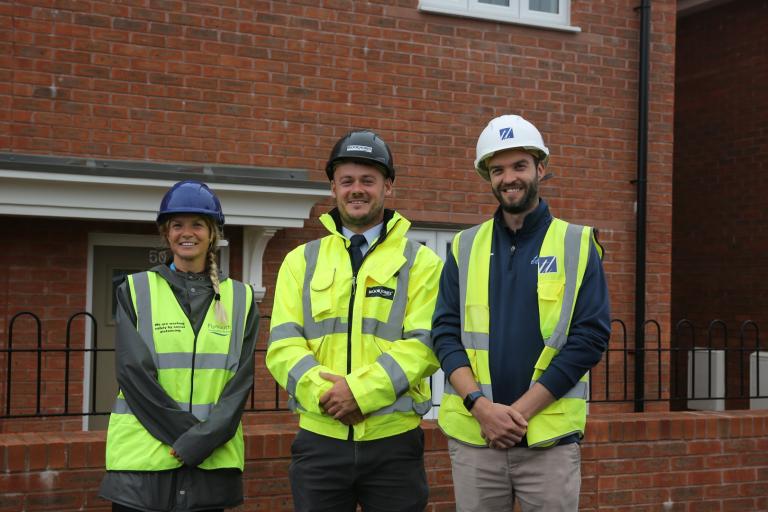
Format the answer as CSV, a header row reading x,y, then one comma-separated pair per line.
x,y
521,317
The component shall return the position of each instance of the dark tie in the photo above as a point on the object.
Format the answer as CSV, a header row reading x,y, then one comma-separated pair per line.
x,y
354,251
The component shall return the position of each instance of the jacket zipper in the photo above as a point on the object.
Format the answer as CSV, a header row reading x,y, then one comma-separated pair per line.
x,y
351,434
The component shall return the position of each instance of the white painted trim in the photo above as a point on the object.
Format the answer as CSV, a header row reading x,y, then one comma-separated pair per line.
x,y
497,14
436,240
255,240
45,194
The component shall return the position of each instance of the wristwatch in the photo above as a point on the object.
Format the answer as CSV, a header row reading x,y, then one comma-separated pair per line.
x,y
470,399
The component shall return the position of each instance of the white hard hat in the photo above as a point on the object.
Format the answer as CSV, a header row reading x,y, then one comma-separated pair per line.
x,y
508,132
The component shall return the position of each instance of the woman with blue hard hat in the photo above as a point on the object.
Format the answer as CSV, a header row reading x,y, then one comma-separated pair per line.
x,y
184,364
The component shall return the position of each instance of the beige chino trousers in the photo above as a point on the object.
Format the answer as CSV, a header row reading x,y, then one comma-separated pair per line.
x,y
542,480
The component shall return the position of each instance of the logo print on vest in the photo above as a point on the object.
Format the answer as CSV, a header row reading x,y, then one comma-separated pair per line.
x,y
380,291
219,330
547,264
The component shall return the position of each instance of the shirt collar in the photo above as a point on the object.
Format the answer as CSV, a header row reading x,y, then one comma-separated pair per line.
x,y
370,235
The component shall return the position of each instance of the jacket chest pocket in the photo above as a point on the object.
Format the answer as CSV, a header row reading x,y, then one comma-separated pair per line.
x,y
378,297
328,297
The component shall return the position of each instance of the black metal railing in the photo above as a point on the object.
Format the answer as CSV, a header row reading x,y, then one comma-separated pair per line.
x,y
34,386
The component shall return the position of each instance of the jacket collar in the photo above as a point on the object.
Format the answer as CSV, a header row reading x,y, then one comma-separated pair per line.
x,y
538,218
394,224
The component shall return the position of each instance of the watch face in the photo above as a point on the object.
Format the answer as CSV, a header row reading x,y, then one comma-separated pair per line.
x,y
470,399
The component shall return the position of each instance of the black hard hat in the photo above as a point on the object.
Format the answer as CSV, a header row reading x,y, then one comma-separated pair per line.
x,y
365,146
190,196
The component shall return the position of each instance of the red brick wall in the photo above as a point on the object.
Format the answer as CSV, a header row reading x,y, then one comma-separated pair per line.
x,y
694,462
721,159
275,83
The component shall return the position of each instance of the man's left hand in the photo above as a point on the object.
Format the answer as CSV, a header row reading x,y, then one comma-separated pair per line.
x,y
339,400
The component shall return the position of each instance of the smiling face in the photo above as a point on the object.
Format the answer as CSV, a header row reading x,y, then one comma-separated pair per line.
x,y
188,237
515,180
359,191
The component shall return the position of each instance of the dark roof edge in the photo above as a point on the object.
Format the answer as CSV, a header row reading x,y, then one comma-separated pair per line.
x,y
209,173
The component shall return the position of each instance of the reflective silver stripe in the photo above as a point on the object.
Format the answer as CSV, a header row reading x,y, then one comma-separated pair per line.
x,y
199,411
466,241
203,361
422,335
121,407
572,252
485,388
405,404
285,331
580,390
294,405
382,329
238,328
471,340
395,372
298,371
477,340
314,330
144,312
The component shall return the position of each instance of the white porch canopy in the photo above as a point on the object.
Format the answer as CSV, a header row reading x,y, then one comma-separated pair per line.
x,y
261,200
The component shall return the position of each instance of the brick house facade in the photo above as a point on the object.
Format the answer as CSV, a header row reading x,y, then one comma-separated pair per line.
x,y
255,93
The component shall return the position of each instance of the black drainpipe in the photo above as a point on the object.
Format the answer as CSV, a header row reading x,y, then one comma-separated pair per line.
x,y
642,164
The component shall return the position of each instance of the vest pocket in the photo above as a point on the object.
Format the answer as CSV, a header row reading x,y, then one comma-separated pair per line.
x,y
547,426
550,299
321,292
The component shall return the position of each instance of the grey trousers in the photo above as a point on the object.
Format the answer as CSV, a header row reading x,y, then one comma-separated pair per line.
x,y
542,480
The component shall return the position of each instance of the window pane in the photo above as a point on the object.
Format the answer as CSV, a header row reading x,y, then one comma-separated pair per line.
x,y
505,3
550,6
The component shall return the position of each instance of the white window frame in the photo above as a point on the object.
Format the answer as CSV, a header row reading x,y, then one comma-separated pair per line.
x,y
517,12
438,241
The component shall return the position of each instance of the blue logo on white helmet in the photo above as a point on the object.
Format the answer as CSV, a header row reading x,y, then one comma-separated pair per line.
x,y
506,133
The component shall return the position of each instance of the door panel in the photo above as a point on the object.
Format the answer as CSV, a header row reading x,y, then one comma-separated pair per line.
x,y
110,266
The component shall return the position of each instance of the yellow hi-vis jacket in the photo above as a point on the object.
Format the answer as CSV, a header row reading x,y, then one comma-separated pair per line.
x,y
564,243
374,330
192,370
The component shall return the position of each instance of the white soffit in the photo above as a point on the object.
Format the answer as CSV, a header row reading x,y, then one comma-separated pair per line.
x,y
86,196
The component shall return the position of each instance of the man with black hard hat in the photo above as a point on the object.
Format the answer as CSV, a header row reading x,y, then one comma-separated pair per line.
x,y
350,342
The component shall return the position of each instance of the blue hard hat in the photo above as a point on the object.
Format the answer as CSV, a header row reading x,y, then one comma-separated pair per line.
x,y
190,196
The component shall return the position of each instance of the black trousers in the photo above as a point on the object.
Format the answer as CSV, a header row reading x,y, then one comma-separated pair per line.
x,y
123,508
333,475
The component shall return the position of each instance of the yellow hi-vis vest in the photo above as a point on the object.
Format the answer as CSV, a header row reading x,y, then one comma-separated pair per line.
x,y
562,261
170,338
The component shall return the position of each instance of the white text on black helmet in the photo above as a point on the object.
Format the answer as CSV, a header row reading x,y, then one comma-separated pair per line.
x,y
367,149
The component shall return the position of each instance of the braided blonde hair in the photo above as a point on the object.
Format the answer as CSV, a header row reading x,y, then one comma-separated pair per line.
x,y
213,273
213,269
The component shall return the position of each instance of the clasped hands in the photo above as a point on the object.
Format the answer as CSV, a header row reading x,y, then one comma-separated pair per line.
x,y
502,426
339,401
